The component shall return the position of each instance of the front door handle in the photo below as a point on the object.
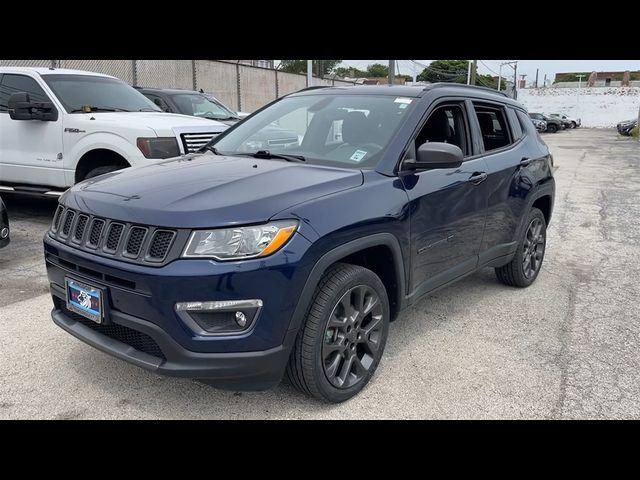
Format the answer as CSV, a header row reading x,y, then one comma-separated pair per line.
x,y
478,177
525,161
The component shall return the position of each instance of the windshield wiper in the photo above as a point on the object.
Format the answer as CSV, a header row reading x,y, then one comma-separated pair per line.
x,y
267,154
99,109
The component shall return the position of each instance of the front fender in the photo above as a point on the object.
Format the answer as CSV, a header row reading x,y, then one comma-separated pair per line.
x,y
99,140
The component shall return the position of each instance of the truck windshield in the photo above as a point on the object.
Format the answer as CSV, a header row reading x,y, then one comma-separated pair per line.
x,y
341,130
200,106
76,92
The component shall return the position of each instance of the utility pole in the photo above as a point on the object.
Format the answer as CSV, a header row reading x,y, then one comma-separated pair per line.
x,y
511,64
473,72
392,71
414,71
537,78
469,72
515,81
578,95
545,80
309,73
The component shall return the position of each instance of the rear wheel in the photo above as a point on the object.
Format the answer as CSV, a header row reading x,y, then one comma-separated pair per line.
x,y
573,124
553,128
527,262
342,340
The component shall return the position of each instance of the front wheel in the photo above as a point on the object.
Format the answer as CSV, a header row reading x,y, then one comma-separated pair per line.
x,y
553,128
573,124
525,266
342,340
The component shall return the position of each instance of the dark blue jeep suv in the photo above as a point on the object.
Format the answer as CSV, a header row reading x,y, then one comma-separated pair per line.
x,y
240,265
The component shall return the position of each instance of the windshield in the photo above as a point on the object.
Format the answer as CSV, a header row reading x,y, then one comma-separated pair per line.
x,y
340,130
201,106
78,91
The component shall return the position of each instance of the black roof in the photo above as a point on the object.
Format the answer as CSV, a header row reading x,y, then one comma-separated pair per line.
x,y
410,91
165,90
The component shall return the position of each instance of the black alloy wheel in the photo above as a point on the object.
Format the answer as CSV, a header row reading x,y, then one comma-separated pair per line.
x,y
352,337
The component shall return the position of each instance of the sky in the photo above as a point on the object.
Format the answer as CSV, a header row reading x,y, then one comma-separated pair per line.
x,y
528,67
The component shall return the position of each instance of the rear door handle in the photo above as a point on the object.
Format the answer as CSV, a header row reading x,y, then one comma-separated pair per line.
x,y
525,161
478,177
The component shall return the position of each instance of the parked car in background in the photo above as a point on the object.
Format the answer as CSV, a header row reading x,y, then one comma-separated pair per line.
x,y
540,125
625,127
252,264
213,98
553,124
189,102
61,126
567,121
4,225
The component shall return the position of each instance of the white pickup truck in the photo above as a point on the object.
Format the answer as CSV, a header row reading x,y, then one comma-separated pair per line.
x,y
58,127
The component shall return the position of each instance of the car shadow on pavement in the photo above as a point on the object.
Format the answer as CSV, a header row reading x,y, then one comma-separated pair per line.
x,y
126,391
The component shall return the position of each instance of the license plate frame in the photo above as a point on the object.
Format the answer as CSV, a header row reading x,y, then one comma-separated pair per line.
x,y
85,299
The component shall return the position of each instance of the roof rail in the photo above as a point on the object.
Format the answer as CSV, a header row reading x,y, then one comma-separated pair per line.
x,y
446,84
315,87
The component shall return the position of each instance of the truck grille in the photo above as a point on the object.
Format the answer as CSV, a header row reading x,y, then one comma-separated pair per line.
x,y
110,238
193,142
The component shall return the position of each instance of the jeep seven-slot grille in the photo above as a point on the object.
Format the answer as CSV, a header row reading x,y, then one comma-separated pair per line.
x,y
134,243
113,238
195,141
81,224
110,238
68,221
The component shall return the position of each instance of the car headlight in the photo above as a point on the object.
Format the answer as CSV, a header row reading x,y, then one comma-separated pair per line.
x,y
158,147
240,242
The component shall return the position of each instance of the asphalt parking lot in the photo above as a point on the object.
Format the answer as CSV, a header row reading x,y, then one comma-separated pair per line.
x,y
567,347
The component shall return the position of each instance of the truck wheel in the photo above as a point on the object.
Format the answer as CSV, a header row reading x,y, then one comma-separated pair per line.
x,y
553,128
342,340
102,170
523,269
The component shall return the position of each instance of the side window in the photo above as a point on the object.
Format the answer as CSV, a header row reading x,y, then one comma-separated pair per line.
x,y
516,128
446,124
158,101
493,127
525,123
19,83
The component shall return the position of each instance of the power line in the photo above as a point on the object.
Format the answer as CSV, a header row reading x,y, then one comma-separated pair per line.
x,y
485,66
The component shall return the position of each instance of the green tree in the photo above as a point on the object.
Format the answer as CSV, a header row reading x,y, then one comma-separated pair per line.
x,y
377,70
455,71
323,67
350,72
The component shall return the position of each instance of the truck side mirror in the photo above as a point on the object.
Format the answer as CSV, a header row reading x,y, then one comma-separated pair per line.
x,y
22,108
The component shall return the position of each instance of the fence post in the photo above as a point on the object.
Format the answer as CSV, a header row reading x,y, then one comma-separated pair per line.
x,y
134,72
238,86
193,70
53,64
277,86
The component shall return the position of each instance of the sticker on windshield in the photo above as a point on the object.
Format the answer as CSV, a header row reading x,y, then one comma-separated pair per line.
x,y
358,155
403,100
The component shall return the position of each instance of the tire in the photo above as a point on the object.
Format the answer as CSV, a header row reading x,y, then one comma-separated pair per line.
x,y
102,170
573,125
553,128
514,273
326,342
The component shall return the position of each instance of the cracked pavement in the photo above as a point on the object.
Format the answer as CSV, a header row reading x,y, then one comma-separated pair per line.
x,y
567,347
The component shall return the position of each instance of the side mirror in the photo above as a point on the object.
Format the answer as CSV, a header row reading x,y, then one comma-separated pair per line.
x,y
22,108
432,155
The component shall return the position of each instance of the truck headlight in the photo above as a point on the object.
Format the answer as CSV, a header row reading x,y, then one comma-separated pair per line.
x,y
158,147
240,242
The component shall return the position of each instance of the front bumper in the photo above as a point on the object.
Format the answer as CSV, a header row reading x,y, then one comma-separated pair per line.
x,y
143,328
238,371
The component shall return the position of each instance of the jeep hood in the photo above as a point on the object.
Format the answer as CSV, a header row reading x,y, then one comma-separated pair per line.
x,y
206,190
163,124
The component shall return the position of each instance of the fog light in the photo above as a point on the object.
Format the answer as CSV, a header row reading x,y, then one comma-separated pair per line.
x,y
241,319
224,317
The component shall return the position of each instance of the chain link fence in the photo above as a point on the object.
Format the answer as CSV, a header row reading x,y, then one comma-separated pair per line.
x,y
241,87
